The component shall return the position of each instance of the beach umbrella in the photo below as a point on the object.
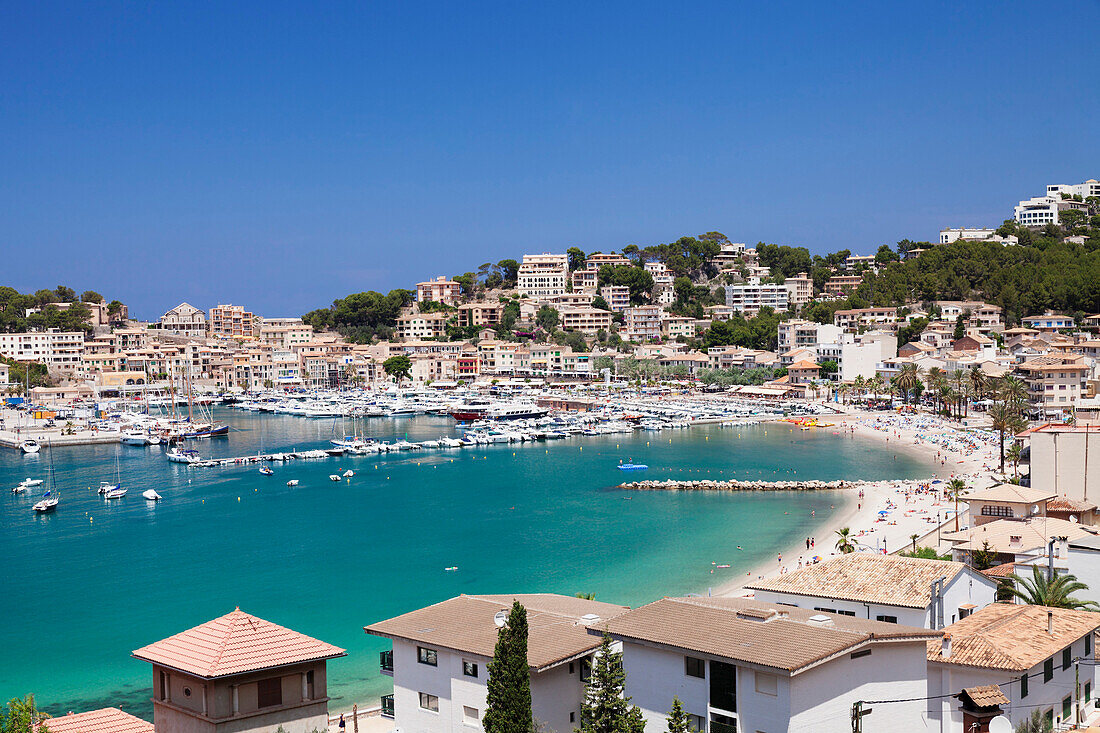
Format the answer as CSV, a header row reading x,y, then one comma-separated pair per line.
x,y
883,512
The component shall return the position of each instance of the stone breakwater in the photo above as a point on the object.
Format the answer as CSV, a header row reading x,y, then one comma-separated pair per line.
x,y
734,485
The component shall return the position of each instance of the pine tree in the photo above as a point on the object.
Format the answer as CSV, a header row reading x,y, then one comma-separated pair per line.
x,y
606,709
508,703
677,718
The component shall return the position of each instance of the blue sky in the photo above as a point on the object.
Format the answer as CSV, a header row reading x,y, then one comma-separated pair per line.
x,y
279,155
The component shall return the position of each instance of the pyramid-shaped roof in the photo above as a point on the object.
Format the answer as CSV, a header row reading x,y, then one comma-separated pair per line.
x,y
233,644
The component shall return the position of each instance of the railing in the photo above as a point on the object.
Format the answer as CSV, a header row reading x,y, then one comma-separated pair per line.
x,y
385,660
387,706
715,727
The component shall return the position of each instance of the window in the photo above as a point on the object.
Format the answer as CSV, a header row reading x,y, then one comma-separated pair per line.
x,y
269,692
586,669
723,686
1088,691
1023,686
992,510
1067,707
1048,670
429,702
427,656
163,686
697,722
695,667
1088,643
572,717
887,619
470,715
1067,655
469,668
766,684
861,653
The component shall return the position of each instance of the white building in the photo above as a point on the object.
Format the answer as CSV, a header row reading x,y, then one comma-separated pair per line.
x,y
617,297
184,320
902,590
441,652
642,323
858,355
543,276
753,296
797,333
739,664
1042,210
947,236
1028,651
60,351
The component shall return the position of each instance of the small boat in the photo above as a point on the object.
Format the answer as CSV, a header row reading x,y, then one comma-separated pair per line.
x,y
30,446
348,473
632,466
175,455
151,495
292,482
105,486
451,569
116,492
334,477
27,483
47,504
266,471
135,437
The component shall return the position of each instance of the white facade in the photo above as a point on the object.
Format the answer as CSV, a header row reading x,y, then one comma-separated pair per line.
x,y
859,354
962,595
753,296
797,333
947,236
543,276
58,350
1042,210
642,323
617,297
770,700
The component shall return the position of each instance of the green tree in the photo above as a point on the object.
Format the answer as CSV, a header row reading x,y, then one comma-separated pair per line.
x,y
678,721
1005,420
845,542
575,256
1054,592
600,303
22,716
91,296
509,272
606,708
955,489
1035,723
399,367
508,701
983,558
546,318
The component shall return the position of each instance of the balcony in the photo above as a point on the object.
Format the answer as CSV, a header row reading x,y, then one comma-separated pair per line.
x,y
385,662
387,706
716,727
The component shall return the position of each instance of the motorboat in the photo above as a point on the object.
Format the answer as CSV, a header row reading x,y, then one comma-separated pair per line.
x,y
151,495
334,477
175,455
266,471
27,483
515,412
348,473
632,466
135,437
30,446
48,503
292,482
470,410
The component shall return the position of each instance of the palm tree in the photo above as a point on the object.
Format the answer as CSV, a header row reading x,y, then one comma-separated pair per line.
x,y
1004,421
913,538
955,489
1013,393
908,379
1014,453
859,385
844,541
958,380
1054,592
977,380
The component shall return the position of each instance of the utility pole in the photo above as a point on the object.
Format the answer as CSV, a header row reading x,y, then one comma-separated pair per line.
x,y
858,711
1077,690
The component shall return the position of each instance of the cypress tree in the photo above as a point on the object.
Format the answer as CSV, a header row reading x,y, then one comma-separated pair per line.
x,y
606,708
678,719
508,703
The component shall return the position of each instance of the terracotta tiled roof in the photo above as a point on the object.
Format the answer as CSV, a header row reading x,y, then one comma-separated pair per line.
x,y
1012,536
724,627
804,364
1011,493
107,720
465,624
234,643
1000,571
1011,637
1065,504
987,696
866,578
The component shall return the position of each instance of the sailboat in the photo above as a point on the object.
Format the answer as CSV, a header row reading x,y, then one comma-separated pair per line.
x,y
51,498
115,490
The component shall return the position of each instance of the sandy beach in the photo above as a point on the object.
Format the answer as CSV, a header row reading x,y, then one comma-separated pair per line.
x,y
889,513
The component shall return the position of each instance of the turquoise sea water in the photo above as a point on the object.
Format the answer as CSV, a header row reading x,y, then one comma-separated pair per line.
x,y
86,585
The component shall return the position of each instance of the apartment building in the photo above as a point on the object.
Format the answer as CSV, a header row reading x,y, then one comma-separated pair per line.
x,y
801,289
740,664
232,321
752,296
586,279
642,323
440,655
854,262
988,318
1025,652
858,355
797,333
900,590
587,320
184,320
843,283
440,290
947,236
1054,384
855,318
416,326
480,314
60,351
674,327
617,297
284,333
732,255
543,276
1042,210
1049,321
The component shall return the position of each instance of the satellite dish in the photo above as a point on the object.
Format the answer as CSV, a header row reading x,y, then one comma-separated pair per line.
x,y
1034,508
1073,518
1000,724
500,618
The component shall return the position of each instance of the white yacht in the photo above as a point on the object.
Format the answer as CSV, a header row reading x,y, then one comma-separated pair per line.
x,y
30,445
48,503
151,495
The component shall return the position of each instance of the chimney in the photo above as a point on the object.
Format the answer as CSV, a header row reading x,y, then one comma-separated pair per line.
x,y
1050,622
945,646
